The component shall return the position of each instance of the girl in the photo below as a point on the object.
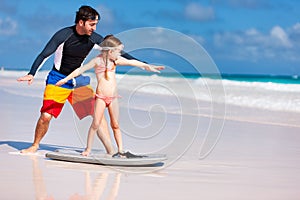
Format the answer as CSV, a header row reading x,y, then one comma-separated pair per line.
x,y
106,91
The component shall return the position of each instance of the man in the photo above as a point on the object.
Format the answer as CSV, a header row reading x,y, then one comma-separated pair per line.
x,y
71,46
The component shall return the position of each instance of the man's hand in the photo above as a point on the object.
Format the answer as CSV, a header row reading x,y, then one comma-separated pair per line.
x,y
28,78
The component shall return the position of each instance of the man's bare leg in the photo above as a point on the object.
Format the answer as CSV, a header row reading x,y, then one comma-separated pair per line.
x,y
40,131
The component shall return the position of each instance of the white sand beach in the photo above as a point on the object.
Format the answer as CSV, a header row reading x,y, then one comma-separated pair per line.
x,y
256,153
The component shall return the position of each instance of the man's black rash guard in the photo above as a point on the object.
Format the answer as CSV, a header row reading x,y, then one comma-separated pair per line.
x,y
70,50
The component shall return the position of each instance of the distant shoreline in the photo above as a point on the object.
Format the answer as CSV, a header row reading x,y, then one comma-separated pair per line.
x,y
283,79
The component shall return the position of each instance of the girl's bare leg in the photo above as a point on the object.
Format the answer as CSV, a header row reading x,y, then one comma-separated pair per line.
x,y
98,115
113,110
104,136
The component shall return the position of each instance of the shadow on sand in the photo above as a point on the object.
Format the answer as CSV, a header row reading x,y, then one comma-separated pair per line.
x,y
18,145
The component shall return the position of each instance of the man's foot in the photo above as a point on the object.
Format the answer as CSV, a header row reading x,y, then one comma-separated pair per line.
x,y
31,149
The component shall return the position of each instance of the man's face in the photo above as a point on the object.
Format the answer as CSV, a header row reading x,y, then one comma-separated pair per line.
x,y
90,26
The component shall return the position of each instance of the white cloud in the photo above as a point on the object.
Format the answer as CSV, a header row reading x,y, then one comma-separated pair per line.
x,y
254,45
8,26
252,32
296,28
195,11
294,34
280,37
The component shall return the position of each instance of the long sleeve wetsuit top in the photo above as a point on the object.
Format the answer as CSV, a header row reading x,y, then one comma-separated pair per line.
x,y
70,50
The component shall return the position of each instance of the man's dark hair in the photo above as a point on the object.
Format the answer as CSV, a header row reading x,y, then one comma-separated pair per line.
x,y
85,13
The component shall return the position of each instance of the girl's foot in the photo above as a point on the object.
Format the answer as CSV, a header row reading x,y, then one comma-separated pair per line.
x,y
119,155
85,153
126,155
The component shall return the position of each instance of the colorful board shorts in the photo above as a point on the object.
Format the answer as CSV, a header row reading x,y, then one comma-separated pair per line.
x,y
77,91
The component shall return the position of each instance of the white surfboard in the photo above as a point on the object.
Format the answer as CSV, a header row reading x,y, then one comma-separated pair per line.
x,y
103,159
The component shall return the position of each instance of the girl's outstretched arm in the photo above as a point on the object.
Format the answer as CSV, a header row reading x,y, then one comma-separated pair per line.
x,y
136,63
78,71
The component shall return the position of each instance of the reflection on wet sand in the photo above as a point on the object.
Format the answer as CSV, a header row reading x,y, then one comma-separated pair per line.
x,y
94,189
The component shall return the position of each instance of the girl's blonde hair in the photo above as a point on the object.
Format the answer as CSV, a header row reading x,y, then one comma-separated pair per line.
x,y
108,43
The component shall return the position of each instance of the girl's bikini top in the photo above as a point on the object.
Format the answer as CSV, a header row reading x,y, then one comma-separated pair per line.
x,y
102,68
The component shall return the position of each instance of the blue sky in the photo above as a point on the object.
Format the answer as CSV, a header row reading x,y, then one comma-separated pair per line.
x,y
241,36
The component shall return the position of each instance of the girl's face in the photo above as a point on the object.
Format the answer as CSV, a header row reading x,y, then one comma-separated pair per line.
x,y
115,53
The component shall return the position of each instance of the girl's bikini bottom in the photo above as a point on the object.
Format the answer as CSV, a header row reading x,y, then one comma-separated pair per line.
x,y
106,99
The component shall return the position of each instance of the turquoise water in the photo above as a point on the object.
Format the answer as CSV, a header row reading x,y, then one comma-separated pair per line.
x,y
264,78
233,77
282,79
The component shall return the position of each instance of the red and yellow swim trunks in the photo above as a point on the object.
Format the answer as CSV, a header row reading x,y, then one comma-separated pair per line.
x,y
79,93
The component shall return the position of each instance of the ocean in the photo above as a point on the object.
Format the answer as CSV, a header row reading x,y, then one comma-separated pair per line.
x,y
267,92
276,93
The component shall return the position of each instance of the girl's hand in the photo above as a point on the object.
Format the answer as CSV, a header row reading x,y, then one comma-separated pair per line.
x,y
154,68
61,82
